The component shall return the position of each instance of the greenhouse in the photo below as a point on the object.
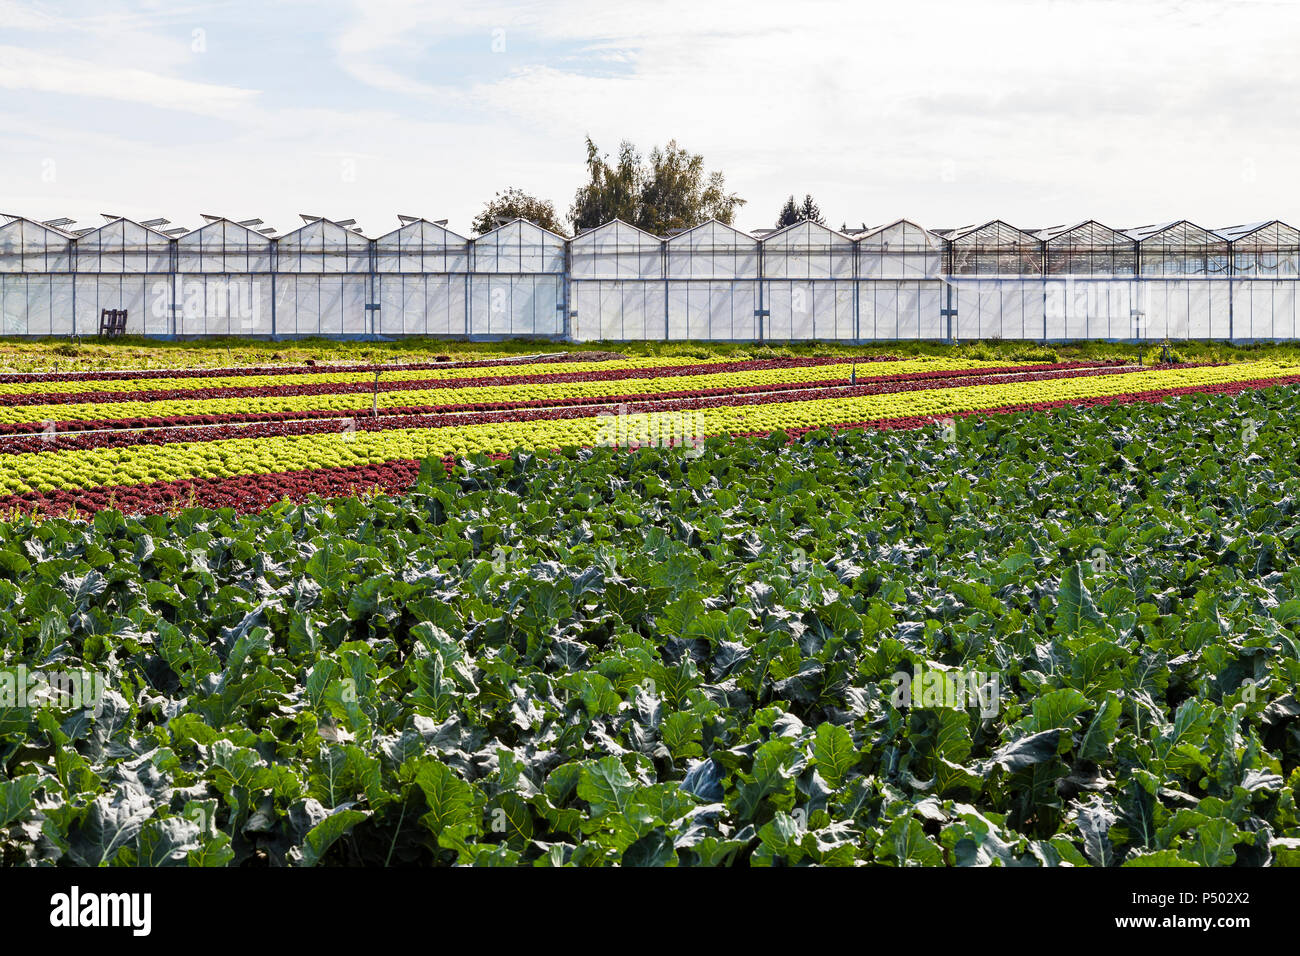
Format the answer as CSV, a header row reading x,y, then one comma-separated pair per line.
x,y
1178,249
1267,257
122,265
1270,249
808,290
617,272
1089,249
1008,306
994,249
222,284
900,289
713,283
1175,280
1089,289
516,283
35,279
422,273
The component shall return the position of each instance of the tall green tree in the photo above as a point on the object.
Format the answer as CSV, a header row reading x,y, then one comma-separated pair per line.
x,y
668,192
810,211
516,204
789,213
611,192
807,211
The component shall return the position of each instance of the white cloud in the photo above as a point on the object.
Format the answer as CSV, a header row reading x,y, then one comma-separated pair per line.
x,y
25,69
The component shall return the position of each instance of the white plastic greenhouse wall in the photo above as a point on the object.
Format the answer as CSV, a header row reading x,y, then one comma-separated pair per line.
x,y
616,282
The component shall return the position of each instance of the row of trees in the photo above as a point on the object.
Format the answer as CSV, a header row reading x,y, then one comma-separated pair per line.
x,y
668,192
663,193
791,213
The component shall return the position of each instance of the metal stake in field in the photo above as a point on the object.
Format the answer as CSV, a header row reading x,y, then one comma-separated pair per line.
x,y
374,407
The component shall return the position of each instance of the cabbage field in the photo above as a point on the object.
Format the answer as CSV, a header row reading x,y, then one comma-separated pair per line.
x,y
650,612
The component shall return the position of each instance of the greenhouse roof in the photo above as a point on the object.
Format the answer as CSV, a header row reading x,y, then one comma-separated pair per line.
x,y
995,232
1089,230
1179,229
217,224
678,234
521,222
875,232
7,219
320,226
123,222
415,223
616,225
765,235
1271,228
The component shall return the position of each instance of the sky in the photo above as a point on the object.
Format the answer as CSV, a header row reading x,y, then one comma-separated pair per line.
x,y
947,112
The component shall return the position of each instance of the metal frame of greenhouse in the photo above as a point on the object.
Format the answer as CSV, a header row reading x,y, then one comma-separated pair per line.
x,y
1086,280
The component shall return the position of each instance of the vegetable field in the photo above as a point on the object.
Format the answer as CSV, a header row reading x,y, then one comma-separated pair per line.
x,y
160,440
652,612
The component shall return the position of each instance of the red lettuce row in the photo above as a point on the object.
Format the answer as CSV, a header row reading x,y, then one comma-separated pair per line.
x,y
350,388
242,492
541,410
